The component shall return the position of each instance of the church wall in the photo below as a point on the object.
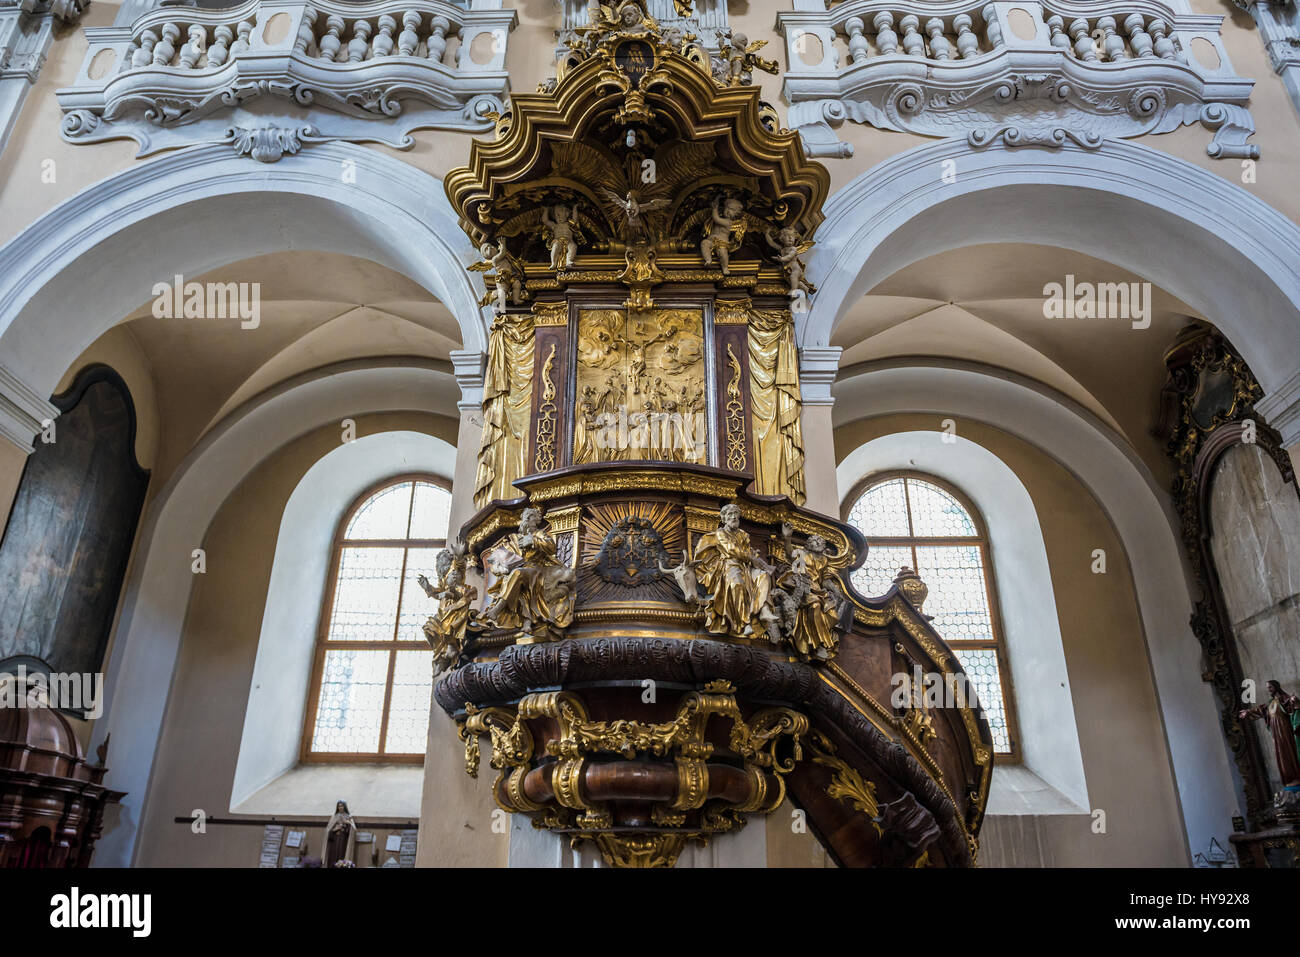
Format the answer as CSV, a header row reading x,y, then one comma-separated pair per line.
x,y
202,728
25,195
1122,739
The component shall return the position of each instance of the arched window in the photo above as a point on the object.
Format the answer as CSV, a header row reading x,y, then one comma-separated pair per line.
x,y
372,676
923,523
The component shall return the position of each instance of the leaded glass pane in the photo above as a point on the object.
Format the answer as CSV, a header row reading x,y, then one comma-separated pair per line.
x,y
408,709
365,596
881,512
351,704
958,597
384,515
431,511
936,514
981,666
416,605
880,568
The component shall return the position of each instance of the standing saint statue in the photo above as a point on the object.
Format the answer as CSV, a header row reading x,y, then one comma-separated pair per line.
x,y
340,838
1282,712
734,577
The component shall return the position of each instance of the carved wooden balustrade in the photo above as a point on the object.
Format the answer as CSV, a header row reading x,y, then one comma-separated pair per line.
x,y
1025,73
271,75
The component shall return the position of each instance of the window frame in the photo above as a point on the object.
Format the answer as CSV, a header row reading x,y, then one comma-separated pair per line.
x,y
306,755
981,540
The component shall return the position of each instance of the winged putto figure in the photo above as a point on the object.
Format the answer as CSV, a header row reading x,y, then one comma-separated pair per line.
x,y
789,247
507,280
739,59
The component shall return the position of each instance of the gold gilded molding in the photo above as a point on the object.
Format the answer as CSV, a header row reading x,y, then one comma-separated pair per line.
x,y
497,520
544,457
732,312
737,456
551,313
634,480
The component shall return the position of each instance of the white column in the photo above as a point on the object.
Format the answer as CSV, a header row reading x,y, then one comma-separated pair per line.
x,y
468,368
817,368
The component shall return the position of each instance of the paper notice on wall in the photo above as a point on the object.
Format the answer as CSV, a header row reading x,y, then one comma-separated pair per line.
x,y
295,839
272,835
394,842
365,837
406,857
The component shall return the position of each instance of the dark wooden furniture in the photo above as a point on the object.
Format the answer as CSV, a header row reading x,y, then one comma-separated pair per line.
x,y
51,799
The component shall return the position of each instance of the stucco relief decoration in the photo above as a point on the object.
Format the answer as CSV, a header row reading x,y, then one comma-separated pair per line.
x,y
1017,74
270,76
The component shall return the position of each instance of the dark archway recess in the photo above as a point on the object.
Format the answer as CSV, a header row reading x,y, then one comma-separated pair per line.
x,y
68,539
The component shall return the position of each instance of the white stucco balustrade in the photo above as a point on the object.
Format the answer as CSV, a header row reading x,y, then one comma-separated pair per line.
x,y
269,76
1023,73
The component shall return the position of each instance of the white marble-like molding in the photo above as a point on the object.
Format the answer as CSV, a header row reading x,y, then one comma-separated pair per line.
x,y
1279,29
1019,74
270,76
26,34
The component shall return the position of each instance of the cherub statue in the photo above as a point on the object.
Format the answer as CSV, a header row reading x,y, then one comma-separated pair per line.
x,y
446,628
632,206
739,58
562,235
788,248
507,280
808,597
727,216
736,580
533,591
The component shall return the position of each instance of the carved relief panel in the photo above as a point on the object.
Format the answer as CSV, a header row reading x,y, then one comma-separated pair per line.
x,y
641,386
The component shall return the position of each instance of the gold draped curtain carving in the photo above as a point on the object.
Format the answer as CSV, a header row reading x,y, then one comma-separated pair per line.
x,y
507,409
775,405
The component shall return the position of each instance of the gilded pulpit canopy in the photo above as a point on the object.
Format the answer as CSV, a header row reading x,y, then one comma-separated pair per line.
x,y
641,224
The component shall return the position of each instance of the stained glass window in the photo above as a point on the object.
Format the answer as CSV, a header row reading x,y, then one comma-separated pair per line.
x,y
918,522
373,670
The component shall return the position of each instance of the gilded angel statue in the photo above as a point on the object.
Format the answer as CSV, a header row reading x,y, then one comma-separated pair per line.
x,y
503,272
789,247
740,58
562,235
727,217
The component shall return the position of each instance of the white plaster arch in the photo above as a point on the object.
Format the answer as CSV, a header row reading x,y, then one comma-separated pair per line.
x,y
146,642
1207,241
1141,516
76,271
277,696
1049,743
